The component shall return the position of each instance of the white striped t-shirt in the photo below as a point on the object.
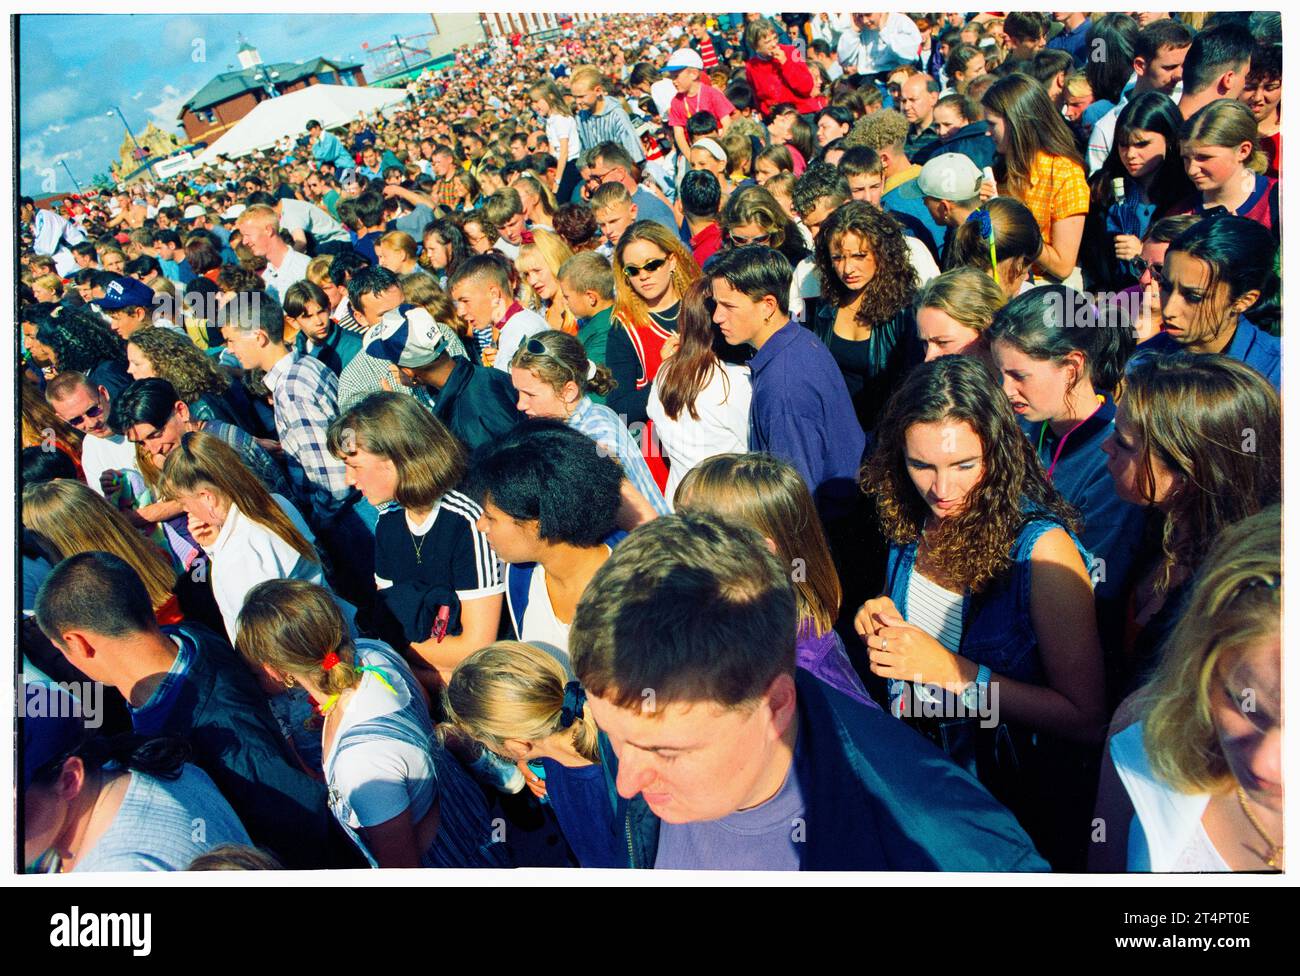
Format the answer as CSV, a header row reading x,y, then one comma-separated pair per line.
x,y
935,610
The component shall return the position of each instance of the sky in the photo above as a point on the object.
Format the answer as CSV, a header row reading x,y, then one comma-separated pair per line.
x,y
73,70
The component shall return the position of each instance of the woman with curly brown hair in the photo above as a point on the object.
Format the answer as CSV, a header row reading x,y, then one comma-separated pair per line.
x,y
865,317
204,386
985,633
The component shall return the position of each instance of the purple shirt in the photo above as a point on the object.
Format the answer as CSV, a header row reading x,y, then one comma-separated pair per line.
x,y
824,658
768,837
801,412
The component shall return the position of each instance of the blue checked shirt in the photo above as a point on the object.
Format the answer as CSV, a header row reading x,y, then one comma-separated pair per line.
x,y
305,393
607,429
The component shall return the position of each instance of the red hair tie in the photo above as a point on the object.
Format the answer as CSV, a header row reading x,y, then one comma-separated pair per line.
x,y
331,659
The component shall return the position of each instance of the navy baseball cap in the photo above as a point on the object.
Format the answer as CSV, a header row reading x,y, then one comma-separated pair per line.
x,y
123,292
51,733
407,336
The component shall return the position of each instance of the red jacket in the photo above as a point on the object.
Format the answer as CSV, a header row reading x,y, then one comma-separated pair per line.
x,y
775,83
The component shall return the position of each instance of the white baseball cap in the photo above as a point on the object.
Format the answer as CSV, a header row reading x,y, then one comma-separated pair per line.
x,y
684,57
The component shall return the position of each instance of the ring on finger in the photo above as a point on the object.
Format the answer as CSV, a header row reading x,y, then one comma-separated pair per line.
x,y
884,643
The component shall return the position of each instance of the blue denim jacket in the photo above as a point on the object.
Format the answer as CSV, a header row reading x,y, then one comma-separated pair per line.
x,y
997,629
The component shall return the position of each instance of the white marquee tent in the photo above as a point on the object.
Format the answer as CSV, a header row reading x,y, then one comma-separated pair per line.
x,y
287,115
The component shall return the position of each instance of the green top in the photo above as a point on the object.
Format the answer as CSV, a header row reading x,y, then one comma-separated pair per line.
x,y
593,333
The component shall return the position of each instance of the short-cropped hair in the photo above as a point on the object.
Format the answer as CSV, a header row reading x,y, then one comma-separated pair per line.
x,y
121,606
755,271
690,608
589,271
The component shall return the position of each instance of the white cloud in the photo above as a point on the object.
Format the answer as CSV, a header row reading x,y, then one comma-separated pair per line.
x,y
38,158
49,106
53,129
164,114
137,96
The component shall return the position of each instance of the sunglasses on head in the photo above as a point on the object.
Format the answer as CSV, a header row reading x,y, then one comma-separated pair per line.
x,y
90,414
650,267
536,347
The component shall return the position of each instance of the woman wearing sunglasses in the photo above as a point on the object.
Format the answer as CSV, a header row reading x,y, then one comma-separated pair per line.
x,y
753,216
652,270
553,376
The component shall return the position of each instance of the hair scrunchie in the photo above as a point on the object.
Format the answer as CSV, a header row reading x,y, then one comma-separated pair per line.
x,y
591,370
575,697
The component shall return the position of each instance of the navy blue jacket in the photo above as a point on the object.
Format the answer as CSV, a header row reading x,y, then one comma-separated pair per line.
x,y
971,140
1250,345
879,797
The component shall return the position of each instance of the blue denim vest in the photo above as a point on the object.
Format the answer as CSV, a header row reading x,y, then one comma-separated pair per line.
x,y
997,629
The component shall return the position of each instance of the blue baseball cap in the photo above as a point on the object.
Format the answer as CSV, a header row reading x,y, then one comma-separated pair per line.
x,y
123,292
407,336
52,732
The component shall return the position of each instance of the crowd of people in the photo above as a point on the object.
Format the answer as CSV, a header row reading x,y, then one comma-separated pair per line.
x,y
839,441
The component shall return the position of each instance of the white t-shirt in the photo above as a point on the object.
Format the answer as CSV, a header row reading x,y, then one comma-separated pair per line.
x,y
723,427
663,91
922,260
292,270
520,327
246,553
540,625
100,454
559,128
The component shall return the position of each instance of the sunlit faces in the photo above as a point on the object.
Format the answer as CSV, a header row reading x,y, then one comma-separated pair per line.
x,y
1211,167
585,95
1036,387
699,761
244,346
781,128
158,442
828,130
39,351
853,260
739,318
997,130
475,237
1141,151
314,323
751,233
649,270
975,67
127,321
684,78
580,303
539,400
701,158
615,219
1166,69
513,540
369,309
476,303
115,262
86,409
818,215
1262,96
947,119
943,335
1124,461
538,276
257,235
207,513
764,170
766,46
371,474
513,229
1194,309
945,461
390,258
438,250
1246,708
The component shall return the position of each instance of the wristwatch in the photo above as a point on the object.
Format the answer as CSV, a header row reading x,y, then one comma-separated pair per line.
x,y
977,691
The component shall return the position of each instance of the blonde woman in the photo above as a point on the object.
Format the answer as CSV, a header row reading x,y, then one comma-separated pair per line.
x,y
521,703
768,495
74,519
539,203
539,266
953,312
48,288
652,270
248,534
1192,775
1226,162
403,800
396,252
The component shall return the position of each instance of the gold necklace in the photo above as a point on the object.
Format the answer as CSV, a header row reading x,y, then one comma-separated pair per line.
x,y
1274,850
417,546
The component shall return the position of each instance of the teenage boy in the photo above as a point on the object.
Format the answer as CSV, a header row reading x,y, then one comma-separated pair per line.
x,y
686,69
949,186
610,163
480,290
721,754
476,403
129,305
601,119
701,203
587,281
800,408
308,308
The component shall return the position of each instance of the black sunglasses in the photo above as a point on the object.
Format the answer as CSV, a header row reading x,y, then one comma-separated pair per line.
x,y
650,267
90,414
1143,266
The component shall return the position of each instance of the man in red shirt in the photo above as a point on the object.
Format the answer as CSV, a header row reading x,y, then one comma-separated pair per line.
x,y
686,69
701,198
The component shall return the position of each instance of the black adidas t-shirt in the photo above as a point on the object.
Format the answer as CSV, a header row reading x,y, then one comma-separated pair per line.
x,y
446,551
